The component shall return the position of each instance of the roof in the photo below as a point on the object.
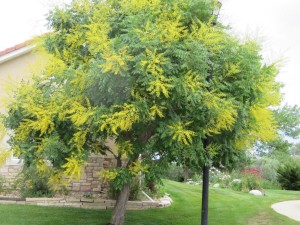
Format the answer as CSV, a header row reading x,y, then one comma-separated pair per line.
x,y
15,51
11,49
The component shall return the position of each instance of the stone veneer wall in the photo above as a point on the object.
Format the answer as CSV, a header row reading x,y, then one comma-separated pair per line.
x,y
10,172
84,203
89,183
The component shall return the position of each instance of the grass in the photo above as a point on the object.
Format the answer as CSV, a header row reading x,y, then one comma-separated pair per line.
x,y
225,207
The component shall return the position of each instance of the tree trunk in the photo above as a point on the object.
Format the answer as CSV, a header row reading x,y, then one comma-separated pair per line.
x,y
118,216
205,188
185,173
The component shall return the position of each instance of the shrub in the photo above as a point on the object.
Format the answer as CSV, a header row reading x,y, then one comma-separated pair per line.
x,y
289,176
266,184
220,177
268,168
134,191
2,184
30,183
236,184
175,173
249,179
197,178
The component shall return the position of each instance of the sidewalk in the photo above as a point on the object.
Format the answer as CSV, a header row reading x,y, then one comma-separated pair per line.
x,y
290,209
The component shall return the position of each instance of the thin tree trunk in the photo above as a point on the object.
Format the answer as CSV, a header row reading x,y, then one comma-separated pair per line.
x,y
118,216
185,173
205,188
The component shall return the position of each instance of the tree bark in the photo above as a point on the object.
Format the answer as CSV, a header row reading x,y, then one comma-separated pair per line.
x,y
185,173
205,188
118,217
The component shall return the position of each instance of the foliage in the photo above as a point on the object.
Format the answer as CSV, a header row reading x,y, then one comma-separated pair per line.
x,y
295,149
30,183
267,167
174,172
157,76
288,119
234,160
134,193
4,152
288,122
2,184
68,112
2,129
251,179
220,177
243,180
289,175
271,185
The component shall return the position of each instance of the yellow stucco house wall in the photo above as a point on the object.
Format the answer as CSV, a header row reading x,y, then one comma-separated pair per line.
x,y
15,64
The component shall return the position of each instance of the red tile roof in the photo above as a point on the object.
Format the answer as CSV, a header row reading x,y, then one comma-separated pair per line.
x,y
14,48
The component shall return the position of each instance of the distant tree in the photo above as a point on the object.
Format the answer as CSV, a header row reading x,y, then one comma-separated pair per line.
x,y
156,77
288,120
288,129
295,149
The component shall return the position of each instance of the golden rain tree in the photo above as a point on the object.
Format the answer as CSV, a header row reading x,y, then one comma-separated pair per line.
x,y
155,75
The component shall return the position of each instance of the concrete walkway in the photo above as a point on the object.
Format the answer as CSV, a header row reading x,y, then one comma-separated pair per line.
x,y
290,209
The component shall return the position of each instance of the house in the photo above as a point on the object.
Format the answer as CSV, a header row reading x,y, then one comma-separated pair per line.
x,y
15,65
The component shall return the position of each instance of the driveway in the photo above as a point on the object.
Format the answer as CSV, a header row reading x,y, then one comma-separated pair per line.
x,y
290,209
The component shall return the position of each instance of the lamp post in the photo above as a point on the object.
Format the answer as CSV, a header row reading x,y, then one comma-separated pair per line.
x,y
206,167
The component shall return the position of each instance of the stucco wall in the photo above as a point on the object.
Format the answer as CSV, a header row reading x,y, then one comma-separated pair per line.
x,y
14,71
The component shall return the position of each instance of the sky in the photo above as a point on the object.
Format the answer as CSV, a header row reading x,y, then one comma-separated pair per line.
x,y
275,24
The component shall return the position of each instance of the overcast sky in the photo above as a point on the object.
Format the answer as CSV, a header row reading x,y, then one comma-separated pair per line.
x,y
274,23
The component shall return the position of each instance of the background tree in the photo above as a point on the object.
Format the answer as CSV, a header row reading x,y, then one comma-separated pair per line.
x,y
295,149
155,76
288,130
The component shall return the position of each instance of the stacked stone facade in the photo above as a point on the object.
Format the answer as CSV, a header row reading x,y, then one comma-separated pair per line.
x,y
9,173
89,183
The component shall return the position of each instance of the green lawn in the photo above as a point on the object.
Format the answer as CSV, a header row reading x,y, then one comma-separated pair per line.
x,y
226,207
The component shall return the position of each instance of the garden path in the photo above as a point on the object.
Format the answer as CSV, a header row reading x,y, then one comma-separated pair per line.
x,y
290,209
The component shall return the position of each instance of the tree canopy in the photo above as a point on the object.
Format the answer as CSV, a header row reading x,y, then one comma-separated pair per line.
x,y
156,76
288,130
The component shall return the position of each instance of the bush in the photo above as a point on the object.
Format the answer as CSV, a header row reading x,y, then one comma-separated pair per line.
x,y
175,173
33,184
217,176
266,184
197,178
236,185
289,176
2,182
134,191
268,168
249,179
